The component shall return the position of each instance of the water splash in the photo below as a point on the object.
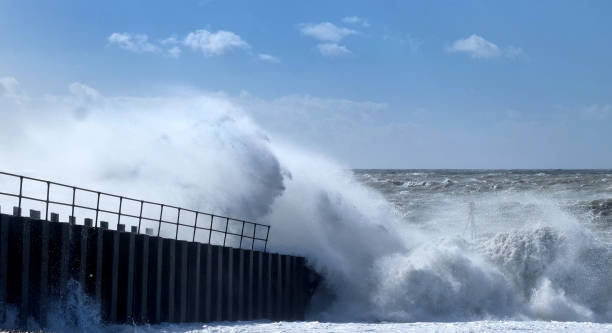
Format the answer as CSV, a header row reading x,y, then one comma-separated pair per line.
x,y
530,259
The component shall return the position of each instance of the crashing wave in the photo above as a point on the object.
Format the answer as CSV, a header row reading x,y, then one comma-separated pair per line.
x,y
204,152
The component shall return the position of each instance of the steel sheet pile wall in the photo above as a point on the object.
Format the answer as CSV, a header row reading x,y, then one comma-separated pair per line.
x,y
140,278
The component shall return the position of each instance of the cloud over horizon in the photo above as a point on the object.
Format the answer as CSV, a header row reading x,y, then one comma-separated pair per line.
x,y
11,90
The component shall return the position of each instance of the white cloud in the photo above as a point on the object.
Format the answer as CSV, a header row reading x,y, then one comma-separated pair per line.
x,y
209,43
83,91
11,90
138,43
332,49
172,40
268,58
356,20
478,47
326,31
214,43
475,46
174,52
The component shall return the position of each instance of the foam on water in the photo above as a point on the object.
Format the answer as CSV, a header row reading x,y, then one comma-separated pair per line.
x,y
475,326
531,259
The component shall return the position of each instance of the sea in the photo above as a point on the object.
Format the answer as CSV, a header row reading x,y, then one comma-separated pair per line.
x,y
544,236
449,251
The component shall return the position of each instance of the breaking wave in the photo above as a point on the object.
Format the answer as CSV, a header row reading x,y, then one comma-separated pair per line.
x,y
530,258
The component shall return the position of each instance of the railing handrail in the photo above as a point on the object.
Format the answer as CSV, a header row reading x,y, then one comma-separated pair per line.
x,y
140,217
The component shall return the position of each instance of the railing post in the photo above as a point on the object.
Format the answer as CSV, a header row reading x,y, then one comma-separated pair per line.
x,y
119,215
97,209
241,234
226,226
211,229
178,220
195,227
73,199
253,239
47,202
161,213
267,234
20,190
140,215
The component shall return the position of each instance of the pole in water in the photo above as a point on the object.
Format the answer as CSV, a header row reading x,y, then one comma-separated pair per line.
x,y
471,227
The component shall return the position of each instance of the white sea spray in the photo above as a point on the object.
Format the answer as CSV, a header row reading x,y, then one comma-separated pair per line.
x,y
531,259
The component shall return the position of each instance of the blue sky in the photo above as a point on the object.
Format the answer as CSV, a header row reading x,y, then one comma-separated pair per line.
x,y
392,84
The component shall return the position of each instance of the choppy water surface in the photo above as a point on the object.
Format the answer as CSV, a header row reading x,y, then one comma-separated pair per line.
x,y
499,197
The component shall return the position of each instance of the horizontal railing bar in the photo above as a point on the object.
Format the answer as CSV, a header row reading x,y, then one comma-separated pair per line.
x,y
10,194
23,197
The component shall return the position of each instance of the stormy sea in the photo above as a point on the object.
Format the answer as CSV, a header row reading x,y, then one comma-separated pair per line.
x,y
397,250
496,250
463,250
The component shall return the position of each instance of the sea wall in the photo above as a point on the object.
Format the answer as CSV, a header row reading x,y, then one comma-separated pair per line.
x,y
140,278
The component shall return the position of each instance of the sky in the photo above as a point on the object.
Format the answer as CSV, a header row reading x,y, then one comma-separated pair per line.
x,y
386,84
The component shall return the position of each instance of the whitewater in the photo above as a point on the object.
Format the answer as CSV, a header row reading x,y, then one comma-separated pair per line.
x,y
398,250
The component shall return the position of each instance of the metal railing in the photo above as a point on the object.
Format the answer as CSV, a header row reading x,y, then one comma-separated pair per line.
x,y
257,228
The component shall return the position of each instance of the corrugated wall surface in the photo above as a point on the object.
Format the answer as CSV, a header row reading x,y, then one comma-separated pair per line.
x,y
144,279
